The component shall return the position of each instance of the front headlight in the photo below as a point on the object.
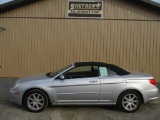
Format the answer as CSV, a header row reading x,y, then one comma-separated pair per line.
x,y
16,85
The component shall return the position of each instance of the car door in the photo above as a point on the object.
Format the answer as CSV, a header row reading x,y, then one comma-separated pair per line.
x,y
77,87
111,85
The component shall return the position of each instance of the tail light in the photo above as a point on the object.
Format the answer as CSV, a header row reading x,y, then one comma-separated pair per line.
x,y
153,82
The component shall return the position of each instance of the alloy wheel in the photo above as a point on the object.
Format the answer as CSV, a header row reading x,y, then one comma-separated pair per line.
x,y
130,102
35,101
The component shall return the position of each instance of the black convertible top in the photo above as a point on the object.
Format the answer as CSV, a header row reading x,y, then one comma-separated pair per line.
x,y
112,67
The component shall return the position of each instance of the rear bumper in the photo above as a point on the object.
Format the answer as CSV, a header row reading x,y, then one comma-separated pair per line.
x,y
150,95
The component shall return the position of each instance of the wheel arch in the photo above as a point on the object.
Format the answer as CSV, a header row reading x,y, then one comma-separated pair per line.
x,y
140,94
34,89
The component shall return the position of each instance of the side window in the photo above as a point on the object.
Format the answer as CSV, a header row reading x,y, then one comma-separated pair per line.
x,y
111,72
105,71
81,69
82,72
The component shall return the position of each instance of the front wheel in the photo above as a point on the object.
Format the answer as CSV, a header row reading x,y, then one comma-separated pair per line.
x,y
36,100
129,101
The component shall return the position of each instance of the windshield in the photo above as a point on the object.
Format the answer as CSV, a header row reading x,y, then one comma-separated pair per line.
x,y
52,74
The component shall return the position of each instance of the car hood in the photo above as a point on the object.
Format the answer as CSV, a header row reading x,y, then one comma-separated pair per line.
x,y
41,76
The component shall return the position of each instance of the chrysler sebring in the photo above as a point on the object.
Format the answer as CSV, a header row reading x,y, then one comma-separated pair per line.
x,y
85,83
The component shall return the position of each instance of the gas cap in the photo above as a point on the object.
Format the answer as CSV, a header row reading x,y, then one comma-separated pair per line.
x,y
124,82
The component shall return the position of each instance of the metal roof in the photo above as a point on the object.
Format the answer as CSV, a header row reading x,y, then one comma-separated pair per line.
x,y
14,4
148,3
18,3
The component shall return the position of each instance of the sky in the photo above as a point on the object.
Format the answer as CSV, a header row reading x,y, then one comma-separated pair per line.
x,y
156,0
4,1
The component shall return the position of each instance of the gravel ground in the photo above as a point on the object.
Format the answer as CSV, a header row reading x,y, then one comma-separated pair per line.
x,y
11,111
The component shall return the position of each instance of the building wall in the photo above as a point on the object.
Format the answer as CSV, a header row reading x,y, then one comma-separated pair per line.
x,y
40,38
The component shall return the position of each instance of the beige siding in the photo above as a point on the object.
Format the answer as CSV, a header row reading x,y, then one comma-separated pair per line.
x,y
34,45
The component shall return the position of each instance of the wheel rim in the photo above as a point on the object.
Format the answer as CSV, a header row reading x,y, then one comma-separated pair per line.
x,y
130,102
35,101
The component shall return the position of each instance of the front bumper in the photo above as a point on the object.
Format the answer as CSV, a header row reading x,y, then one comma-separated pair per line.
x,y
14,97
150,95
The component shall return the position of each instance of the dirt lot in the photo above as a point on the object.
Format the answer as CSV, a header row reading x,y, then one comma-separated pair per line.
x,y
11,111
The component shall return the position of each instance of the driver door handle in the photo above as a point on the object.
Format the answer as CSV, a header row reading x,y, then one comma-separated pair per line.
x,y
93,81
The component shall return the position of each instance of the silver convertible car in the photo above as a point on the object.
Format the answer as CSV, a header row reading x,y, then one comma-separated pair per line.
x,y
85,83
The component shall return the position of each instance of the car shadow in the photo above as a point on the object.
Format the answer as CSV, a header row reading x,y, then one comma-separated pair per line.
x,y
105,107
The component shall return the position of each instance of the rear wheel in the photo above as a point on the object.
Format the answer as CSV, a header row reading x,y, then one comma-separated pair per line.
x,y
36,100
129,101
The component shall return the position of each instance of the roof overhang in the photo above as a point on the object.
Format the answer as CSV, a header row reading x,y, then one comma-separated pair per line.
x,y
18,3
15,4
148,3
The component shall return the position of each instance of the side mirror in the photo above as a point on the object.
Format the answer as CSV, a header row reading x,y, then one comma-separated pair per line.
x,y
61,77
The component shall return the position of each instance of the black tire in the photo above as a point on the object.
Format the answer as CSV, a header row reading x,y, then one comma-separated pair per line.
x,y
35,100
126,104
